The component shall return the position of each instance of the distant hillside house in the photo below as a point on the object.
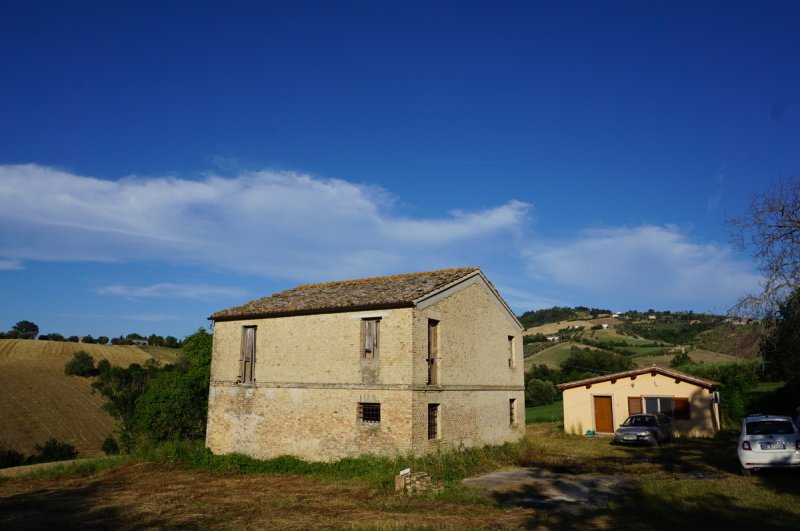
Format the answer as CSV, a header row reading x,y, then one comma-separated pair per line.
x,y
602,403
409,363
140,342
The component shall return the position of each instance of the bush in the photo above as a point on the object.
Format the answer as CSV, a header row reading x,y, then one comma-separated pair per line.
x,y
81,364
540,393
9,457
53,450
110,446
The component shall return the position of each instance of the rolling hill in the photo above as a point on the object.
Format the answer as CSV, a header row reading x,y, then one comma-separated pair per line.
x,y
38,401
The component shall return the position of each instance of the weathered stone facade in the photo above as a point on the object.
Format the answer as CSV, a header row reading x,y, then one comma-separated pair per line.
x,y
310,375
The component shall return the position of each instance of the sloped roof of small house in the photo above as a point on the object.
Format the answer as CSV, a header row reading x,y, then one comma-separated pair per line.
x,y
670,373
396,291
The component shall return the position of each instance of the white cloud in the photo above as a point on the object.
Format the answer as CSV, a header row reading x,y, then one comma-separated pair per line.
x,y
172,291
652,265
8,265
270,223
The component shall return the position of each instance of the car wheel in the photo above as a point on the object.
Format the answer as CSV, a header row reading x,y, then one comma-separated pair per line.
x,y
745,471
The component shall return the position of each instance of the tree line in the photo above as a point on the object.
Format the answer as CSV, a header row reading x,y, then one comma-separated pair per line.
x,y
30,330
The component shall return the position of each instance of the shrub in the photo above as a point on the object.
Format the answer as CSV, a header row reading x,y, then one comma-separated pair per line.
x,y
52,450
110,446
9,457
81,364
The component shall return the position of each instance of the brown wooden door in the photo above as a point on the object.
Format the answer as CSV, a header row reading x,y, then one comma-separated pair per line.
x,y
603,421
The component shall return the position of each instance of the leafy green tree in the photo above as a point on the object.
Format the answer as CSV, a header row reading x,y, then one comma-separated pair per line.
x,y
680,359
74,339
88,339
540,392
10,457
781,348
122,388
585,363
110,446
172,342
25,330
81,364
102,340
175,404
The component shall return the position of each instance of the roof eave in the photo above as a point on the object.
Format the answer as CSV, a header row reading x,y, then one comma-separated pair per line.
x,y
292,313
708,384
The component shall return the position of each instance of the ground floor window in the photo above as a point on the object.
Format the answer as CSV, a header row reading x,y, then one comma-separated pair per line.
x,y
512,411
369,412
658,404
433,421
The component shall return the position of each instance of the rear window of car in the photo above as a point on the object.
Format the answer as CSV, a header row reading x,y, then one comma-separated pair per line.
x,y
769,427
640,421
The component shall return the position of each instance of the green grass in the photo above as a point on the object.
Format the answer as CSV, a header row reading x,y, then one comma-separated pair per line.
x,y
550,413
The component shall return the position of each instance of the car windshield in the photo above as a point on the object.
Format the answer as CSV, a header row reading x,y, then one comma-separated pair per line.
x,y
770,427
640,421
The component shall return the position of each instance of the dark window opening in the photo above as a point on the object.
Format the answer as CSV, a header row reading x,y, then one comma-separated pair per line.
x,y
370,332
433,351
433,421
248,360
369,412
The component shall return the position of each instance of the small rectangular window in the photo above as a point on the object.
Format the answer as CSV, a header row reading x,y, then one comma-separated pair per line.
x,y
370,332
512,411
433,421
433,352
248,359
634,405
369,412
511,352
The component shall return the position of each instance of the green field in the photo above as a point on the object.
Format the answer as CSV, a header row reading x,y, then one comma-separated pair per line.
x,y
550,413
553,356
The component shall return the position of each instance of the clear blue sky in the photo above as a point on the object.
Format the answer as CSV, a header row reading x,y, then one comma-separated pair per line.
x,y
163,160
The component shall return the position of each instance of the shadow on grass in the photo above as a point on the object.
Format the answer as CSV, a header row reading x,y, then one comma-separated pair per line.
x,y
71,508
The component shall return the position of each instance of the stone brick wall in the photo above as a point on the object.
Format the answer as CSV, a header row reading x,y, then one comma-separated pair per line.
x,y
310,377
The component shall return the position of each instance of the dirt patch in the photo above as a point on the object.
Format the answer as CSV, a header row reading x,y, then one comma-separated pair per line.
x,y
541,489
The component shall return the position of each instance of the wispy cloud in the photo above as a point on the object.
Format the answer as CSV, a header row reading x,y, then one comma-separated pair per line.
x,y
8,265
172,291
657,265
271,223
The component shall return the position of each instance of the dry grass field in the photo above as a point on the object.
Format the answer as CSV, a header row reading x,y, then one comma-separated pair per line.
x,y
698,356
552,328
38,401
688,484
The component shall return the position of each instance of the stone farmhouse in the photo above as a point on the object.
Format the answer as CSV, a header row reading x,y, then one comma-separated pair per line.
x,y
410,363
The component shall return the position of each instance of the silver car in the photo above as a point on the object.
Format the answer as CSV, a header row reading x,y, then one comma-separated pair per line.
x,y
768,441
644,429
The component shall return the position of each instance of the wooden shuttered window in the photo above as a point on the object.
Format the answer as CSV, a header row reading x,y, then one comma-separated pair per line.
x,y
681,409
634,405
370,332
433,352
248,360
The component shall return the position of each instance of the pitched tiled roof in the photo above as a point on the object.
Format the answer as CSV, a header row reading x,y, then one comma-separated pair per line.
x,y
348,295
671,373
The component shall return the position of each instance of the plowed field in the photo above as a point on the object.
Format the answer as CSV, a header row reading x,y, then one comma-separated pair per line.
x,y
38,401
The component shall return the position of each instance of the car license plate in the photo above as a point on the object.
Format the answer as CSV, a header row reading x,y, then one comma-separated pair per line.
x,y
773,446
629,437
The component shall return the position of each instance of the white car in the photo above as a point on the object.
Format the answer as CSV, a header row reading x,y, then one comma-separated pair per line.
x,y
768,441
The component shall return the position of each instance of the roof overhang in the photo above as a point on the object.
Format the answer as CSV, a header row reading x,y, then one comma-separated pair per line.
x,y
669,373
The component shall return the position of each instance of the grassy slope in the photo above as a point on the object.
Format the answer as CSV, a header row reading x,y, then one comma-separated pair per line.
x,y
552,328
553,356
38,401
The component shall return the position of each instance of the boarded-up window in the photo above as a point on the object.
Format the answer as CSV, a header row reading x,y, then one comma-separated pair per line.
x,y
634,405
433,352
511,351
681,409
512,411
433,421
369,412
370,332
248,360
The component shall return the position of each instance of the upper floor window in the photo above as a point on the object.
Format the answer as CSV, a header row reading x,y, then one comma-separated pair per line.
x,y
248,360
510,349
370,331
433,352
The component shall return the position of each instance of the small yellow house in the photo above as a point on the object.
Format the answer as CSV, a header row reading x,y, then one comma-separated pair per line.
x,y
602,403
411,363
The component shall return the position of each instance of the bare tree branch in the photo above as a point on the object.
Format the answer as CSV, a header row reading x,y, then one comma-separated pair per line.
x,y
771,230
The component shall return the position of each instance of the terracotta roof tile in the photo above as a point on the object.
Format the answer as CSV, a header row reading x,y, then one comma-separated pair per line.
x,y
366,293
671,373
